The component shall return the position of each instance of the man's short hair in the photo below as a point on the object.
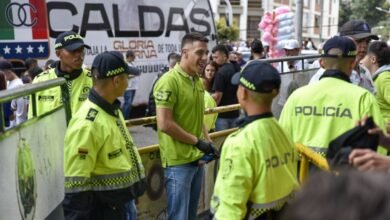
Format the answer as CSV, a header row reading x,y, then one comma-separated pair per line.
x,y
257,46
191,37
349,195
222,49
30,61
130,53
173,56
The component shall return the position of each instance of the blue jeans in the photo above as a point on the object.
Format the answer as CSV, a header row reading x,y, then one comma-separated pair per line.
x,y
183,184
128,98
131,210
225,123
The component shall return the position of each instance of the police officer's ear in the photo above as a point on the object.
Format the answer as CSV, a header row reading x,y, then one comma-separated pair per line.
x,y
353,63
58,53
116,80
322,63
242,93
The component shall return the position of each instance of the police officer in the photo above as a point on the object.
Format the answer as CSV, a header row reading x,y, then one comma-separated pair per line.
x,y
317,113
103,170
70,50
258,164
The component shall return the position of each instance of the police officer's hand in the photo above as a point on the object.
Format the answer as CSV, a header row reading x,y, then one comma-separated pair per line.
x,y
205,147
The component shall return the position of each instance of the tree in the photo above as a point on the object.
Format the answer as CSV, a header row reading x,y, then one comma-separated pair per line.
x,y
361,10
227,33
345,12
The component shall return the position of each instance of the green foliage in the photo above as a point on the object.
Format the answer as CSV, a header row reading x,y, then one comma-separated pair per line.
x,y
362,10
345,12
227,33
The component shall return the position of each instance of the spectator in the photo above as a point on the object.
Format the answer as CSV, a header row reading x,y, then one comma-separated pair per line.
x,y
224,91
241,60
33,72
349,195
377,61
131,88
48,64
5,122
208,75
266,50
208,80
292,77
31,63
19,105
233,58
257,50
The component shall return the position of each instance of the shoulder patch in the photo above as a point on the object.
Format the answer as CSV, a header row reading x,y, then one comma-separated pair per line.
x,y
92,113
88,72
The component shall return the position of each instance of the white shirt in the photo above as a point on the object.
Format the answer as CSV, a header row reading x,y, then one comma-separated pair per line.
x,y
134,81
19,106
362,79
288,78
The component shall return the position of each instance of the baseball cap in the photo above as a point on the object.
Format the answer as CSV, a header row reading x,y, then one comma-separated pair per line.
x,y
258,76
291,44
357,29
5,65
346,46
112,63
70,40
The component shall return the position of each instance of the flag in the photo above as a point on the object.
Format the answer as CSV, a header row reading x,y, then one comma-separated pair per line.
x,y
23,29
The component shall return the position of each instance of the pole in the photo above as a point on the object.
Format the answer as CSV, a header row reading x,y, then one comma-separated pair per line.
x,y
322,19
298,21
229,13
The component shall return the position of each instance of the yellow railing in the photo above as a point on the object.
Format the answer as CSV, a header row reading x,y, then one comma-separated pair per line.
x,y
152,119
308,155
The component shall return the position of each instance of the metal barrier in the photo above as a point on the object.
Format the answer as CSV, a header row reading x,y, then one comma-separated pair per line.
x,y
294,58
152,119
31,89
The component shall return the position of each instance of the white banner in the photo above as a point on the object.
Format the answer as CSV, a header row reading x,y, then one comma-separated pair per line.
x,y
31,168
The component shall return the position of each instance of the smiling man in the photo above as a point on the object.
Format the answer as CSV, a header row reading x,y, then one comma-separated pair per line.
x,y
70,50
179,96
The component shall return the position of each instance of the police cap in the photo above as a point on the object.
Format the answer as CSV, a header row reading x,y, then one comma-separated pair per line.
x,y
258,76
112,63
70,40
345,45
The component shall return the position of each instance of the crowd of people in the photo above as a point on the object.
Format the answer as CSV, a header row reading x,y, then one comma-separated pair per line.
x,y
258,163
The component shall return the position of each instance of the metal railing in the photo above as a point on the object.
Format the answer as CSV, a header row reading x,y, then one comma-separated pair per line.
x,y
294,58
31,89
152,119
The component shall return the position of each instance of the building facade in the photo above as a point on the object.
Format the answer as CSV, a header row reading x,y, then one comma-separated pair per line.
x,y
247,15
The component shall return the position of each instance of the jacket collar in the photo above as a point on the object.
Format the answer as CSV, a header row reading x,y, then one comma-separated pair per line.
x,y
184,74
68,76
249,119
111,109
335,74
